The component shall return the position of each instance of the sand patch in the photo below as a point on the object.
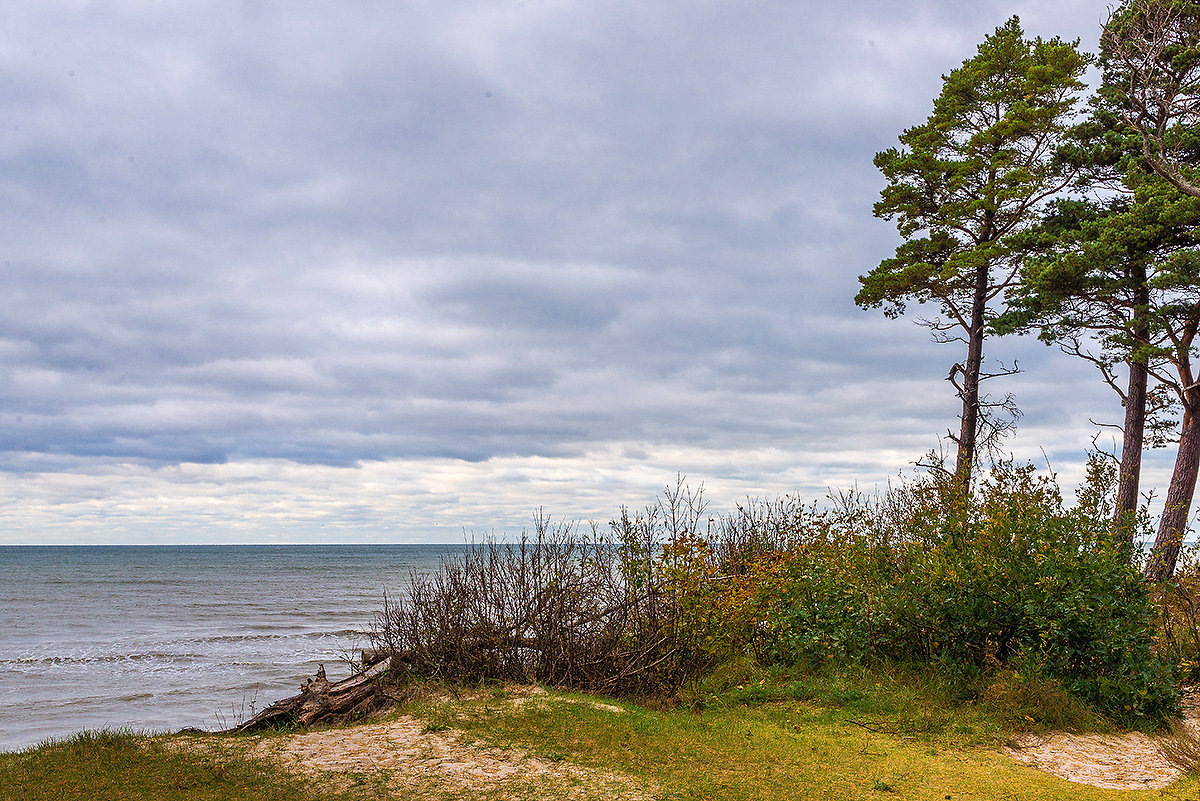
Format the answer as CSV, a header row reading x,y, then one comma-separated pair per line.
x,y
407,756
1126,761
1129,761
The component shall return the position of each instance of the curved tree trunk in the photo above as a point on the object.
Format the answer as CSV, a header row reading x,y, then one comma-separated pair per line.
x,y
1178,505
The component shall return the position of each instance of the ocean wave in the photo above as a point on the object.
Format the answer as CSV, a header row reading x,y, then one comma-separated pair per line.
x,y
91,659
307,635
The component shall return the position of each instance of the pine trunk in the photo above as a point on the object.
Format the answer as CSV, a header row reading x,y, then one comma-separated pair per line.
x,y
1131,452
969,391
1129,479
1178,504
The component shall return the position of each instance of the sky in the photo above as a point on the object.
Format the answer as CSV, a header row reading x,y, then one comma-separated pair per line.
x,y
410,271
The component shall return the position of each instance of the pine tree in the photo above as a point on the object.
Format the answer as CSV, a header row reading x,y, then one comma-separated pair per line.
x,y
963,186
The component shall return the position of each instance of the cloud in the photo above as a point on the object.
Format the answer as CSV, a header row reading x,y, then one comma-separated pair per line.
x,y
252,244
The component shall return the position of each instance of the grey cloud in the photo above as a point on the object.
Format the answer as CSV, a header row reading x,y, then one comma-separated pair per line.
x,y
468,230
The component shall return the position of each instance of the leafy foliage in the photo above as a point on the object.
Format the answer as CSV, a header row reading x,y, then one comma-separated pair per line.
x,y
1150,54
966,180
1009,580
1012,580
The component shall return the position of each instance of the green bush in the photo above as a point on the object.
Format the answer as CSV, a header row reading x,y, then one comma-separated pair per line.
x,y
1004,581
1010,579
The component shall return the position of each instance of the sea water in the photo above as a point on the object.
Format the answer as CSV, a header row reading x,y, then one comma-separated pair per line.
x,y
157,638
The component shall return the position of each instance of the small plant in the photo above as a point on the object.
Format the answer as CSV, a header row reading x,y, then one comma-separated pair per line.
x,y
238,714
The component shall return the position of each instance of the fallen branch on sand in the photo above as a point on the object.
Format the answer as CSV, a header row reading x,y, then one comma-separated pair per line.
x,y
322,701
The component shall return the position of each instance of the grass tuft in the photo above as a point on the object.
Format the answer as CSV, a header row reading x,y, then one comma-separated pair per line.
x,y
1181,746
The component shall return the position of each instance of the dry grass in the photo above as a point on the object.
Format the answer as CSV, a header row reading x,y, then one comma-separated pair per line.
x,y
1181,746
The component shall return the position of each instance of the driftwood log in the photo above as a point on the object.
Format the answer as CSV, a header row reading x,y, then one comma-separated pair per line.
x,y
322,701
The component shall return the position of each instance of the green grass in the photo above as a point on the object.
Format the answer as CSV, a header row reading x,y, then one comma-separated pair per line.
x,y
853,736
775,751
743,734
946,708
121,765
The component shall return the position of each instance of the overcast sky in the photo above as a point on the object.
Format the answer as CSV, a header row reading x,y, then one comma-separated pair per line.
x,y
388,271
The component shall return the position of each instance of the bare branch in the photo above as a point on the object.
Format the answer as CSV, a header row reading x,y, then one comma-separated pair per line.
x,y
1073,347
1139,44
1003,371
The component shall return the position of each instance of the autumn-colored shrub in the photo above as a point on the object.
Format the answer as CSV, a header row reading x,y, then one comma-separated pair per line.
x,y
1177,619
1012,579
1009,578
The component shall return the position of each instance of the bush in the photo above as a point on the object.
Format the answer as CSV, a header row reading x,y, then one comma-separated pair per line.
x,y
1010,579
627,613
1177,609
555,608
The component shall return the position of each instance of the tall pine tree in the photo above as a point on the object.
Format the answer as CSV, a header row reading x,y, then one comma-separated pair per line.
x,y
1150,55
963,186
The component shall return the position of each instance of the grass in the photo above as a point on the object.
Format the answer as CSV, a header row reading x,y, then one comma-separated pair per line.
x,y
942,707
829,738
125,765
743,734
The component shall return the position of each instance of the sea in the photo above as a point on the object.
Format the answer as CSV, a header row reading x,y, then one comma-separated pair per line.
x,y
158,638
